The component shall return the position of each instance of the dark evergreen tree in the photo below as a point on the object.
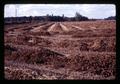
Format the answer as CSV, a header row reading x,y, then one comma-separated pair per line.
x,y
79,17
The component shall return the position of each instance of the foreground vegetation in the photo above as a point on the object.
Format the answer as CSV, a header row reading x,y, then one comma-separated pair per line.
x,y
61,50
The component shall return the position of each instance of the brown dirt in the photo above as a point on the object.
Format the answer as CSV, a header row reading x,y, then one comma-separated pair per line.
x,y
57,54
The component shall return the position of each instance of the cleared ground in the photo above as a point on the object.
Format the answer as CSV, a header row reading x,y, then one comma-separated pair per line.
x,y
61,50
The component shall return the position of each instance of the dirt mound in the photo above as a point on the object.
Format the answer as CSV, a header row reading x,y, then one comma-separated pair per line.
x,y
25,39
95,33
103,44
57,28
17,39
27,54
40,33
64,43
97,63
41,28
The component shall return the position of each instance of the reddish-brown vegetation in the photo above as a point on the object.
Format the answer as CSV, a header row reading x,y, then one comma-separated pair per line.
x,y
65,50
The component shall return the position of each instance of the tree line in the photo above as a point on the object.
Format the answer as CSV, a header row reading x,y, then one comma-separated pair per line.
x,y
77,17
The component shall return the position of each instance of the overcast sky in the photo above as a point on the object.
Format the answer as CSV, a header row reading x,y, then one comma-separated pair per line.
x,y
99,11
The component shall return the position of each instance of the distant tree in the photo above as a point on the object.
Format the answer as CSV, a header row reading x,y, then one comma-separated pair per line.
x,y
63,16
47,17
110,18
52,15
79,17
84,18
30,18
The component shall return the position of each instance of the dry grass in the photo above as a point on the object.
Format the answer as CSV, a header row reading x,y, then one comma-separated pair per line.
x,y
97,63
74,54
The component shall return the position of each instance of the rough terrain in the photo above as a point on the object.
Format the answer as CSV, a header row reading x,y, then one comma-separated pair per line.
x,y
83,50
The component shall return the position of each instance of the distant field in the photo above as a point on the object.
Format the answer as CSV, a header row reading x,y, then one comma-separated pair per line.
x,y
61,50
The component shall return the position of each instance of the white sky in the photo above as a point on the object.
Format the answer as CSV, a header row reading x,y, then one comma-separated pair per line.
x,y
99,11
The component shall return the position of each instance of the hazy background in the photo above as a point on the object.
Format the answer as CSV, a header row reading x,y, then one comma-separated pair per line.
x,y
99,11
